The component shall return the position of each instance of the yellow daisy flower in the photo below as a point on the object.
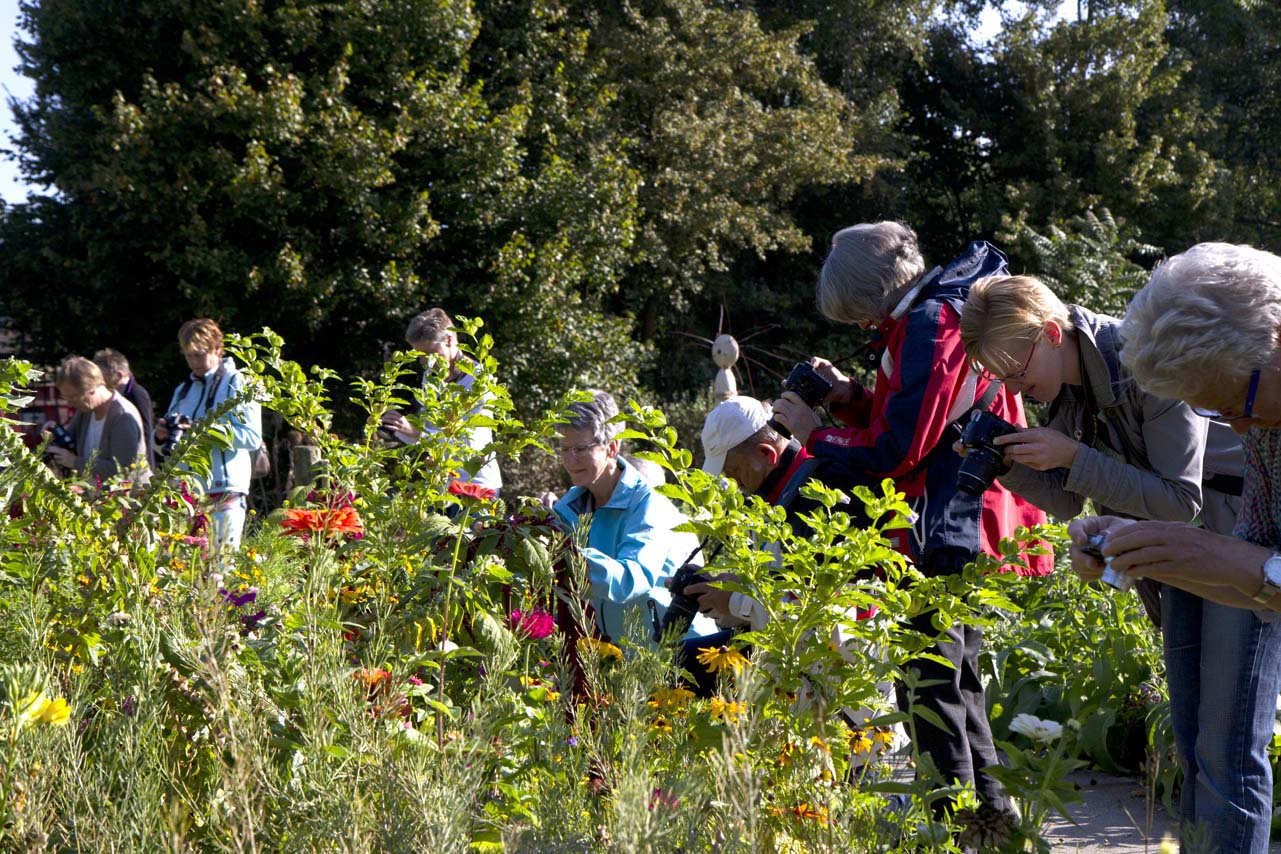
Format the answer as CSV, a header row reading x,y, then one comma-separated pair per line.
x,y
602,649
723,711
720,659
670,698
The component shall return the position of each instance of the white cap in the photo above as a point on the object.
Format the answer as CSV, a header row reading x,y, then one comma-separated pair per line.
x,y
730,424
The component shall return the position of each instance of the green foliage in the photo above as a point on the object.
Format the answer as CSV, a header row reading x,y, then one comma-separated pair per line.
x,y
356,671
1093,262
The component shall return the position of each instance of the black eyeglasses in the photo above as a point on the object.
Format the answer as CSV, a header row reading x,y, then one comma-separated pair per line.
x,y
1249,403
993,378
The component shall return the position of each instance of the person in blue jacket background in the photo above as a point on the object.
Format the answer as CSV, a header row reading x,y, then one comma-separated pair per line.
x,y
214,378
631,547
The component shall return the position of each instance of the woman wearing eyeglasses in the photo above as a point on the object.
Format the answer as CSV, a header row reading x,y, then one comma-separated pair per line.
x,y
631,547
1142,456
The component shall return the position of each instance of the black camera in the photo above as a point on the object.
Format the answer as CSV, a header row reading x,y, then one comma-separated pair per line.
x,y
62,438
984,460
683,608
176,423
807,384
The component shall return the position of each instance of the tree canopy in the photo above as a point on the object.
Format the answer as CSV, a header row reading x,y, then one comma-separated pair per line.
x,y
592,179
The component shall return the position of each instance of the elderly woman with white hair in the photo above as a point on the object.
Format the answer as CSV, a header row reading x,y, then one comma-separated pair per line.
x,y
1205,329
631,547
876,277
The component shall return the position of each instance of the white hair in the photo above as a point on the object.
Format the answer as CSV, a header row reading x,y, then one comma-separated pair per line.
x,y
867,270
595,415
1211,312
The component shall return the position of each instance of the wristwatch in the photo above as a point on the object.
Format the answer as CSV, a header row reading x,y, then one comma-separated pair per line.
x,y
1271,589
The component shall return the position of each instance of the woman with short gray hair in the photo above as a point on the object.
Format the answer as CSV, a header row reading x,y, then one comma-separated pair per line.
x,y
875,275
631,548
1204,329
869,268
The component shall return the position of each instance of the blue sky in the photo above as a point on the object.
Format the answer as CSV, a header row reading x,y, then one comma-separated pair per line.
x,y
14,85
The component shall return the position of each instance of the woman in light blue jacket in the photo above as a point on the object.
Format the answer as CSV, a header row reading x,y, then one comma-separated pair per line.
x,y
631,547
213,380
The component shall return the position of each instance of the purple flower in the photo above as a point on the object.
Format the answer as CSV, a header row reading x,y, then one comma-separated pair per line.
x,y
572,741
535,624
251,621
195,541
241,599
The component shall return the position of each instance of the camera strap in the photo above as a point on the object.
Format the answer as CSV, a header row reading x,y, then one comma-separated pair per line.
x,y
952,433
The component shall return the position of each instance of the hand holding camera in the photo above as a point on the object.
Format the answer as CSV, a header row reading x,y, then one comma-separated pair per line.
x,y
396,429
1089,537
803,389
169,431
62,445
684,606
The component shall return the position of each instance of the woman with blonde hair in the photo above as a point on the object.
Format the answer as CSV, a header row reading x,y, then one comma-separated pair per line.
x,y
107,429
1142,456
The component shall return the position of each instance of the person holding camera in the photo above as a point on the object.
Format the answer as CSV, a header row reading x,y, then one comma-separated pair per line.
x,y
632,548
903,428
1205,330
432,334
740,443
214,379
1139,455
115,370
106,428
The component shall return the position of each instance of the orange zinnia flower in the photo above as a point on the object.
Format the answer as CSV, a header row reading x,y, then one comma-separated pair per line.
x,y
464,489
341,520
371,677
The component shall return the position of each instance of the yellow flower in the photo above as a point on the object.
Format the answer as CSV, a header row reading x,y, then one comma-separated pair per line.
x,y
1168,845
31,707
820,744
719,659
602,649
723,711
56,712
883,736
670,698
662,725
859,742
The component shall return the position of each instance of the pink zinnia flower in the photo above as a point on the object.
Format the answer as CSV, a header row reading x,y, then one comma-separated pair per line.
x,y
535,625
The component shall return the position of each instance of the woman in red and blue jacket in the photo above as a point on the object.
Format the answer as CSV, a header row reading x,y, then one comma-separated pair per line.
x,y
902,429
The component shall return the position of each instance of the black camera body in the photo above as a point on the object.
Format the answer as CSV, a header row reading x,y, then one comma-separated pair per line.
x,y
984,459
683,608
176,423
807,384
62,438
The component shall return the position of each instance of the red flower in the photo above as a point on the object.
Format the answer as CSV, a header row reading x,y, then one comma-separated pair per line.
x,y
535,624
471,490
341,520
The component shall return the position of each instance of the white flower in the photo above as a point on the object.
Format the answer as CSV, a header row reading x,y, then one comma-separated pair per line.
x,y
1037,729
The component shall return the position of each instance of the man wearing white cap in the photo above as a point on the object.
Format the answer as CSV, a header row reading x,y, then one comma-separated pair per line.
x,y
739,443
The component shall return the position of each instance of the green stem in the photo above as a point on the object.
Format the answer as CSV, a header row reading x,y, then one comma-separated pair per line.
x,y
444,631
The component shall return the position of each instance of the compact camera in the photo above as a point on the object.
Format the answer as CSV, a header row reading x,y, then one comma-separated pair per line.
x,y
984,459
807,384
176,424
1111,577
683,608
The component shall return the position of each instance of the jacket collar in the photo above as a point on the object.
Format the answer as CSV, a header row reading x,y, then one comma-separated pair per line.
x,y
1098,338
